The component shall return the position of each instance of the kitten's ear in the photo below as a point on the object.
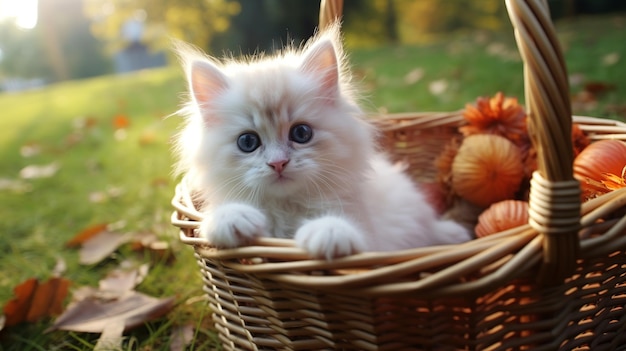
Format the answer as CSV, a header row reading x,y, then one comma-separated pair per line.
x,y
205,81
321,61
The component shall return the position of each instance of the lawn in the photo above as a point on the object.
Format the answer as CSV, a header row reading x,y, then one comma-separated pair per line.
x,y
108,141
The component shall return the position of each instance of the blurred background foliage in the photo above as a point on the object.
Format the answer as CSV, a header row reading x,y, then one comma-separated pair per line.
x,y
80,38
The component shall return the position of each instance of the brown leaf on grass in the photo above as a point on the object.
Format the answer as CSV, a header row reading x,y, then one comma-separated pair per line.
x,y
181,337
48,299
30,149
120,121
15,310
116,284
111,338
102,196
414,76
34,300
93,315
84,122
59,268
15,185
147,137
615,109
86,234
576,79
100,246
584,101
97,197
598,88
122,280
120,134
73,138
438,87
37,171
159,182
158,250
610,59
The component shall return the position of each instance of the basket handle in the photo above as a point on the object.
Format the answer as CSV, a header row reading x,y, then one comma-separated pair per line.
x,y
554,202
330,10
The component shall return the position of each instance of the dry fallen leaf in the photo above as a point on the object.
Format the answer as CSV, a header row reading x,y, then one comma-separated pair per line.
x,y
48,299
100,246
116,284
584,101
181,337
86,234
15,310
111,337
438,87
35,171
30,150
102,196
414,76
122,280
59,268
15,185
147,137
159,182
120,134
84,122
610,59
120,121
93,315
158,250
576,79
598,88
97,197
34,300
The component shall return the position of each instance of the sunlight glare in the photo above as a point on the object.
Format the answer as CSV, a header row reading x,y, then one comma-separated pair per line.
x,y
24,12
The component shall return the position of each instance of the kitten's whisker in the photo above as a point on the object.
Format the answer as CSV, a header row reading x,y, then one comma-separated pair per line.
x,y
236,190
325,187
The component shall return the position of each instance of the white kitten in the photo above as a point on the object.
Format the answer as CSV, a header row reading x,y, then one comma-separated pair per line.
x,y
276,147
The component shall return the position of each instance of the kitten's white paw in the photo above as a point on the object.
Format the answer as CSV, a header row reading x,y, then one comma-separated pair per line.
x,y
233,225
329,237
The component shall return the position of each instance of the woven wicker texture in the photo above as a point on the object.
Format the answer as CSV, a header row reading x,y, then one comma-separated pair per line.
x,y
558,282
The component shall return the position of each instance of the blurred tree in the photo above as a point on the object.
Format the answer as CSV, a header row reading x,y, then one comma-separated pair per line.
x,y
267,25
194,21
69,46
368,22
60,46
571,8
420,20
410,21
22,54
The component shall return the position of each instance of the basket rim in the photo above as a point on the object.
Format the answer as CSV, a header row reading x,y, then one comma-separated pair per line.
x,y
498,258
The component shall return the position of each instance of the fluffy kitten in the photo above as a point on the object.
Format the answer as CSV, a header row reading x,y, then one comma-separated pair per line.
x,y
276,146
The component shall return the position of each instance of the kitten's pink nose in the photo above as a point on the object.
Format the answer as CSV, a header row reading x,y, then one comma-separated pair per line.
x,y
278,165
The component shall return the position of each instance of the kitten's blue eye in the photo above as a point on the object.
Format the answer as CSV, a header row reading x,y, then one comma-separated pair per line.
x,y
248,142
301,133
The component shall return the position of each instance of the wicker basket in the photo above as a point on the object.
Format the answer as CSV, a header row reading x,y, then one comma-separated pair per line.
x,y
556,283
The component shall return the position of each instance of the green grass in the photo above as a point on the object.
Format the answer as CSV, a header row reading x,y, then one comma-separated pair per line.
x,y
36,222
481,63
40,215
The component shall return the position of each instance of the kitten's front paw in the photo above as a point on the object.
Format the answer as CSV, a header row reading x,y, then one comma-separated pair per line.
x,y
233,225
329,237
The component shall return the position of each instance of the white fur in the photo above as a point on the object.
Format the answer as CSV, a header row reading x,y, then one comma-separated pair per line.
x,y
336,196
